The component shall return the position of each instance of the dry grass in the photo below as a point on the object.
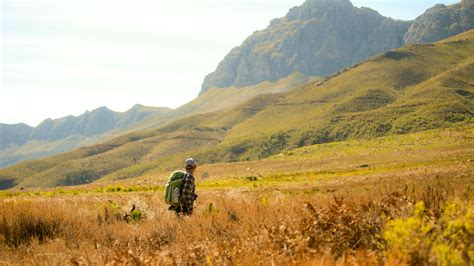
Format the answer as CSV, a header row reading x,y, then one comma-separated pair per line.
x,y
236,227
397,200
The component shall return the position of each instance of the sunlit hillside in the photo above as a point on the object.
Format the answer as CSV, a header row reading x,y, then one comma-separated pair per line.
x,y
411,89
217,99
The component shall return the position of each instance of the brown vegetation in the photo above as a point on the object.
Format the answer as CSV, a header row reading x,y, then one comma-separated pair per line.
x,y
244,227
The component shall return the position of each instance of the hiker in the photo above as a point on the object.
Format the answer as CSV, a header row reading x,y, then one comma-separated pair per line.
x,y
186,188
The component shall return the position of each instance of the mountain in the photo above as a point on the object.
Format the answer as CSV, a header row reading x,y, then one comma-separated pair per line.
x,y
440,22
22,142
92,123
321,37
191,113
17,134
317,38
410,89
415,88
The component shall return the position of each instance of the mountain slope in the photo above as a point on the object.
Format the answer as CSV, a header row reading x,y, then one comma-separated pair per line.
x,y
211,101
321,37
216,100
411,89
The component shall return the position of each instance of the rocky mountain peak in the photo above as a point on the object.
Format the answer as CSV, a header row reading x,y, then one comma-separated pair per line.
x,y
102,109
321,37
316,8
318,38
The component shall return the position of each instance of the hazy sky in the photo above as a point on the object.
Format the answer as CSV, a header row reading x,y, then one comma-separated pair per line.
x,y
63,57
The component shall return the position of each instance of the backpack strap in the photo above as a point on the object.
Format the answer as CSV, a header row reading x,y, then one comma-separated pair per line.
x,y
182,184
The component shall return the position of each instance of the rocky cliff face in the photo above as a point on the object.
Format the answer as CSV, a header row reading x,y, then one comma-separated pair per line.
x,y
440,22
317,38
322,37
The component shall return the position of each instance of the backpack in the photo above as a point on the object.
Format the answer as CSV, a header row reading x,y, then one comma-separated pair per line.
x,y
173,188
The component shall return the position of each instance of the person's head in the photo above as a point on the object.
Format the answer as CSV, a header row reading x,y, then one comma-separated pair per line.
x,y
190,165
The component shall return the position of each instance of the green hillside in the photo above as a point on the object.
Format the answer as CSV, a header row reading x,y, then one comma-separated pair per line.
x,y
411,89
136,149
217,99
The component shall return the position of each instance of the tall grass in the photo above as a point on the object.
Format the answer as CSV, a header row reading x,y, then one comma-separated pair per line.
x,y
245,227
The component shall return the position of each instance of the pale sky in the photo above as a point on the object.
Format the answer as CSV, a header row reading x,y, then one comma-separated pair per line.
x,y
63,57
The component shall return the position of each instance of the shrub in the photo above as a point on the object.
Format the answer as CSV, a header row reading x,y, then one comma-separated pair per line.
x,y
424,238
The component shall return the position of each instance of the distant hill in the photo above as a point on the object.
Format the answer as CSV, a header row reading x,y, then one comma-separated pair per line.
x,y
92,123
196,110
20,142
321,37
415,88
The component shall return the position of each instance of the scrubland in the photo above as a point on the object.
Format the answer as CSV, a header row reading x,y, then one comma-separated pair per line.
x,y
411,222
395,200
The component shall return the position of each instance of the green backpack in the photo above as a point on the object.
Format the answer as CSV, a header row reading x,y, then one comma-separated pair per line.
x,y
173,188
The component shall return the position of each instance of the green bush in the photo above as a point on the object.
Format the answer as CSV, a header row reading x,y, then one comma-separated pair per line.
x,y
446,240
136,215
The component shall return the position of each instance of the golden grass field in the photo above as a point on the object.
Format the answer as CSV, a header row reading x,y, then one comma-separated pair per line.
x,y
404,199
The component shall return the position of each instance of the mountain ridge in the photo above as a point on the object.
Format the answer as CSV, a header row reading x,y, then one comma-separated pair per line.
x,y
75,130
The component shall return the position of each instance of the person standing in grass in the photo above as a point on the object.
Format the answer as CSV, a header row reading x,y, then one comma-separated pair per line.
x,y
187,190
